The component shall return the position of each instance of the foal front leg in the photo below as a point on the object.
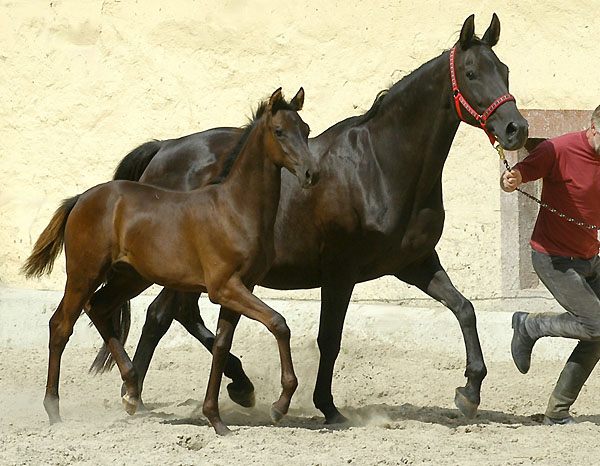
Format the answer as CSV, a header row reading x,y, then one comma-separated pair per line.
x,y
235,296
228,320
241,389
183,307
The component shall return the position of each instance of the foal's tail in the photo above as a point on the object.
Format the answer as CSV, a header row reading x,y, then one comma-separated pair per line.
x,y
50,243
133,164
130,168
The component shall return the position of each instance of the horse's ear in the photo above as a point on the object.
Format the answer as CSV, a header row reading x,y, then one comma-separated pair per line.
x,y
492,34
467,32
274,98
298,101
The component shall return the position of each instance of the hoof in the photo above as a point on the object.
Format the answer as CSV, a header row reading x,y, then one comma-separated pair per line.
x,y
276,414
51,407
336,418
54,420
141,407
221,429
130,404
465,406
242,397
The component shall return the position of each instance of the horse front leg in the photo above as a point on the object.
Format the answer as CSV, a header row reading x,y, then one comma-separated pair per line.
x,y
431,278
336,292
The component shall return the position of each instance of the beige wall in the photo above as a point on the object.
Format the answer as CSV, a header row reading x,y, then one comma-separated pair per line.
x,y
83,82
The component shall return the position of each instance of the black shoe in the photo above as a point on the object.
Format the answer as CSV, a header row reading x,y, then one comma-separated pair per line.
x,y
521,344
551,421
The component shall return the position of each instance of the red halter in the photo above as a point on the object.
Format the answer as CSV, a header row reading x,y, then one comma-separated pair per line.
x,y
460,100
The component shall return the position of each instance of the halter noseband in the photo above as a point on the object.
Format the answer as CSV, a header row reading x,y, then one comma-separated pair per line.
x,y
460,100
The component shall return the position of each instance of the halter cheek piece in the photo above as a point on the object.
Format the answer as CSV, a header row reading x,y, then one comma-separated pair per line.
x,y
459,101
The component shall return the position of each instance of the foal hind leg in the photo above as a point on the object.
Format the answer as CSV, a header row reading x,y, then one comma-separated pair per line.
x,y
431,278
235,296
61,328
103,304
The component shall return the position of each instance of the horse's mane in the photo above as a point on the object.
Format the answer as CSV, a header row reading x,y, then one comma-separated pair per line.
x,y
399,87
279,104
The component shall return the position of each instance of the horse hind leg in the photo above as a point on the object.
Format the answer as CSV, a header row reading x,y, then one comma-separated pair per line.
x,y
431,278
103,304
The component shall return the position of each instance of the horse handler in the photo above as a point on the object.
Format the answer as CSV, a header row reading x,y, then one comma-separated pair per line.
x,y
565,258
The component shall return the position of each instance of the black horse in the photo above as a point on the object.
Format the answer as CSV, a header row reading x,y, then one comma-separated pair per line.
x,y
378,210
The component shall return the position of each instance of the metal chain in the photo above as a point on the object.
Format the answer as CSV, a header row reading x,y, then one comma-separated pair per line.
x,y
543,204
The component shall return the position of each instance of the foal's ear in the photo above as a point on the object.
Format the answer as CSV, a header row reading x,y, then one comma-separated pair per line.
x,y
274,98
298,101
492,34
467,32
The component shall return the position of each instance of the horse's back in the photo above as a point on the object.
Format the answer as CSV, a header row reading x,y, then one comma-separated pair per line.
x,y
191,161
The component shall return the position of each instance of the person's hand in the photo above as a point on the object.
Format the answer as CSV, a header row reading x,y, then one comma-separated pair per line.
x,y
510,180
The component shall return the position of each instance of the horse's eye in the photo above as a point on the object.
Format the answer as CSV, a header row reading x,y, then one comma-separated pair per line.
x,y
470,75
278,133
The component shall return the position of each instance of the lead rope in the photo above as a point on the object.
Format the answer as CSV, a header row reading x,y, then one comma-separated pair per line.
x,y
498,147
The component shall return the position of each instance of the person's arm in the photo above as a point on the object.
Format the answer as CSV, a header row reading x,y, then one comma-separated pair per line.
x,y
538,164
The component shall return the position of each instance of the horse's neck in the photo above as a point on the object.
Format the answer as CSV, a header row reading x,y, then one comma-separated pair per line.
x,y
419,114
254,182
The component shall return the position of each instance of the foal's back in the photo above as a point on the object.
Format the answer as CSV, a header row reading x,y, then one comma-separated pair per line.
x,y
152,229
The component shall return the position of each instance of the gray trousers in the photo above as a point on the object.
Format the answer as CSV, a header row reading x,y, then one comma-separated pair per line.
x,y
575,283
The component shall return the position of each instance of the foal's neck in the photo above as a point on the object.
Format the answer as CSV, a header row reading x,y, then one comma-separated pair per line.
x,y
254,182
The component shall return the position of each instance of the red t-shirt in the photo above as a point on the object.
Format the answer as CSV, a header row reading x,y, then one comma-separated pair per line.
x,y
570,169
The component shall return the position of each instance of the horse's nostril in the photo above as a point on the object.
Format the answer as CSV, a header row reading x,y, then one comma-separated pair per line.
x,y
511,129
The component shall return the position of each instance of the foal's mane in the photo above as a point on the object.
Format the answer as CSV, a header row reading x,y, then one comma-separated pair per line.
x,y
279,104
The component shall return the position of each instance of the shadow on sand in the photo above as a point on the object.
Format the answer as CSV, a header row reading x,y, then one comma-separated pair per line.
x,y
374,415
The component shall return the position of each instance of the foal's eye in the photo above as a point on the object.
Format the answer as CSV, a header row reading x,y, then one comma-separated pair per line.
x,y
470,75
278,133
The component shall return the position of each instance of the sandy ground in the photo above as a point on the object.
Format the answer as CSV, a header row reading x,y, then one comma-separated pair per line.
x,y
395,379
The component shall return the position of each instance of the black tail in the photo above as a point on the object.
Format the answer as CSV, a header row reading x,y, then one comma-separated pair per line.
x,y
133,164
104,361
130,168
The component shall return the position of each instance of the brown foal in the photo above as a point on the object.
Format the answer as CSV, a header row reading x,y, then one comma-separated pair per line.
x,y
217,239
